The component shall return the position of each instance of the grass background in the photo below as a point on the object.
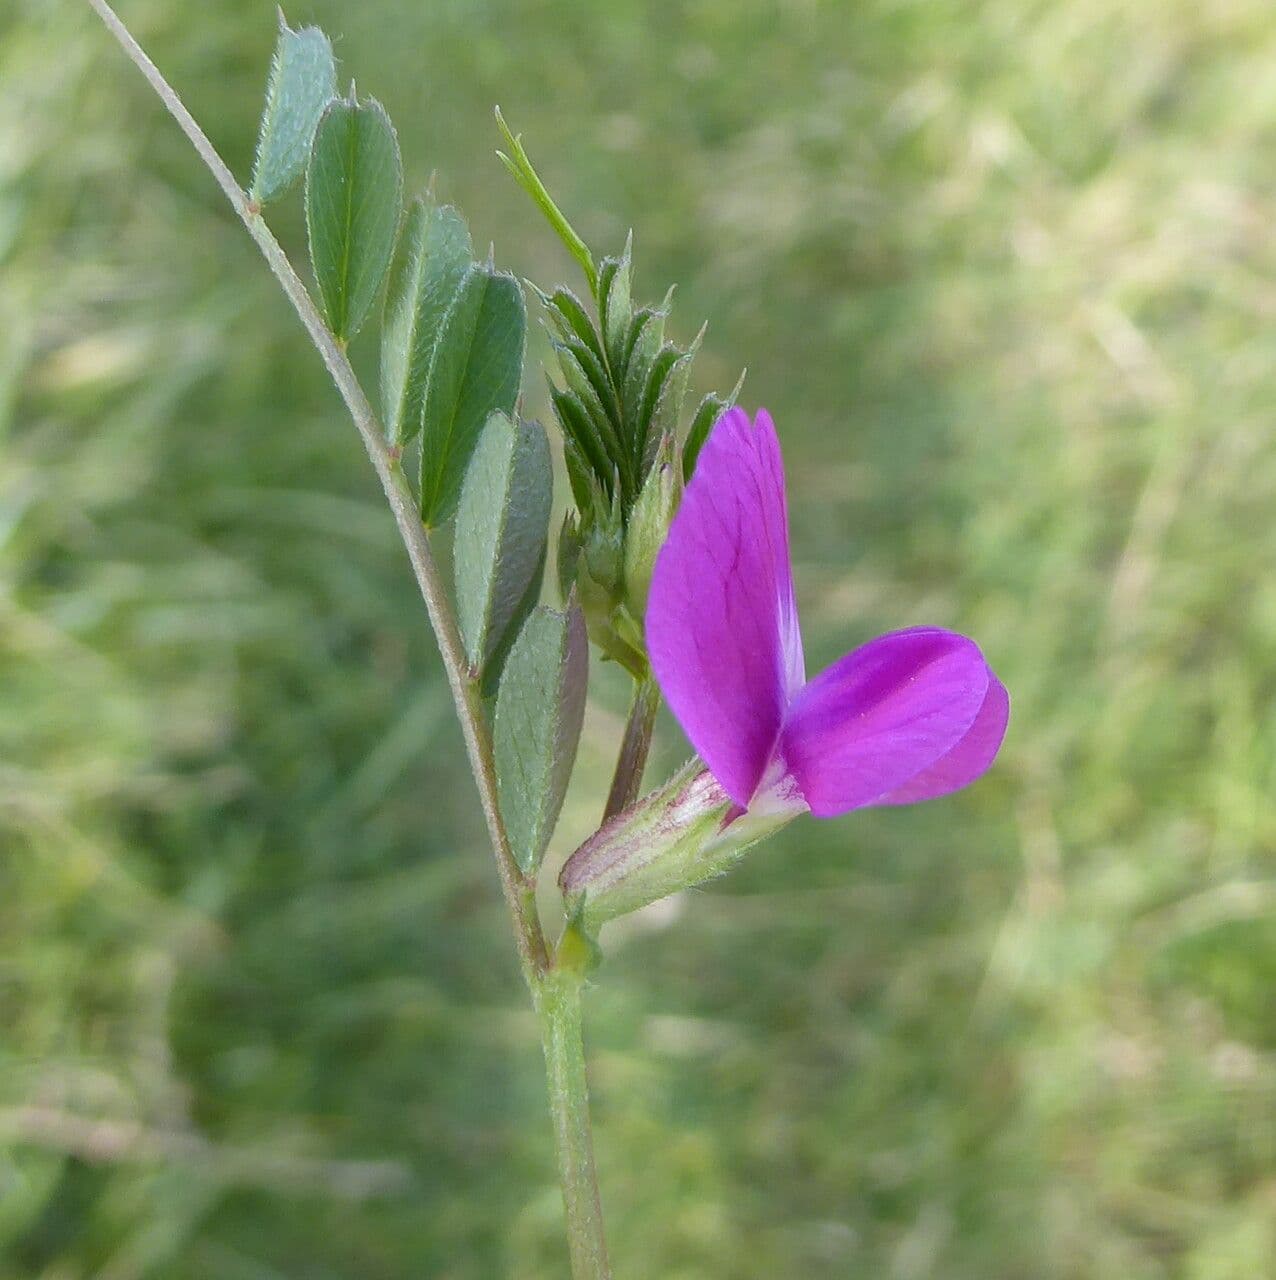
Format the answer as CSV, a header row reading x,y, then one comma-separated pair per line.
x,y
1006,275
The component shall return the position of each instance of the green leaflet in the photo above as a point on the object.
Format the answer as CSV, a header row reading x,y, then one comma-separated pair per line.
x,y
667,414
581,434
502,527
712,407
614,306
539,710
588,385
433,257
567,314
475,370
354,190
579,473
660,372
302,81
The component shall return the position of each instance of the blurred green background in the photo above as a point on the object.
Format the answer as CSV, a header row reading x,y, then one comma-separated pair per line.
x,y
1006,274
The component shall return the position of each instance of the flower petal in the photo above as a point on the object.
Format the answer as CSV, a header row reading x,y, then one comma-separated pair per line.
x,y
883,716
968,759
721,625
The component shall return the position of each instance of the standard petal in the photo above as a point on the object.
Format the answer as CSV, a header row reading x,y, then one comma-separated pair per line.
x,y
721,624
968,759
882,716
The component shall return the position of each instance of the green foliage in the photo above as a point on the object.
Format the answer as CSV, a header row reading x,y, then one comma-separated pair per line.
x,y
433,257
625,385
354,193
1002,274
614,303
502,525
539,711
303,79
710,409
621,404
474,371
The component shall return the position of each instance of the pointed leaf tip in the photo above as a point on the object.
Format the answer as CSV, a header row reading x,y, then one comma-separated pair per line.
x,y
302,81
711,408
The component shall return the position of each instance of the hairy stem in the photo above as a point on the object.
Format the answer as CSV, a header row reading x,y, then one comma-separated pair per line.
x,y
627,780
556,994
527,930
558,1007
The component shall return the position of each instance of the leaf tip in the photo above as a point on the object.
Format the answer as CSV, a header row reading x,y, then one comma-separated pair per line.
x,y
506,132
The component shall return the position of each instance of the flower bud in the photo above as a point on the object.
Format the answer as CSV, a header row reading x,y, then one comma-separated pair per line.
x,y
649,524
591,559
679,835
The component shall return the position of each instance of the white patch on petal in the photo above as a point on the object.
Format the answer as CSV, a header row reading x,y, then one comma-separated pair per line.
x,y
778,794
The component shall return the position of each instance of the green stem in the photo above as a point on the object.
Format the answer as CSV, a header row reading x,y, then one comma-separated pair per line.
x,y
521,167
556,995
627,780
558,1005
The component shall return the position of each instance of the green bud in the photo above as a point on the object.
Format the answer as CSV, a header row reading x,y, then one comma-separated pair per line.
x,y
604,541
649,524
591,558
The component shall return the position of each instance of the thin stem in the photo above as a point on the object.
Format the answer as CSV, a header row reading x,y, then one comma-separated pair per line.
x,y
556,994
558,1006
527,930
627,780
525,174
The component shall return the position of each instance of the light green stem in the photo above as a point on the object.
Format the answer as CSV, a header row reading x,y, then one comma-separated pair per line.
x,y
526,176
558,1005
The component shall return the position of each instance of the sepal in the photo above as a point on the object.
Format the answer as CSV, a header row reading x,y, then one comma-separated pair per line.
x,y
680,835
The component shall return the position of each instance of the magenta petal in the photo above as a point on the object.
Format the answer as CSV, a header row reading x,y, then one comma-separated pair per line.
x,y
882,716
721,625
968,759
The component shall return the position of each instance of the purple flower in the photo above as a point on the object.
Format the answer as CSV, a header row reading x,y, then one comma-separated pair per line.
x,y
909,716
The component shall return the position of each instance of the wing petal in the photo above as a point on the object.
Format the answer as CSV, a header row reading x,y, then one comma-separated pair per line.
x,y
910,715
